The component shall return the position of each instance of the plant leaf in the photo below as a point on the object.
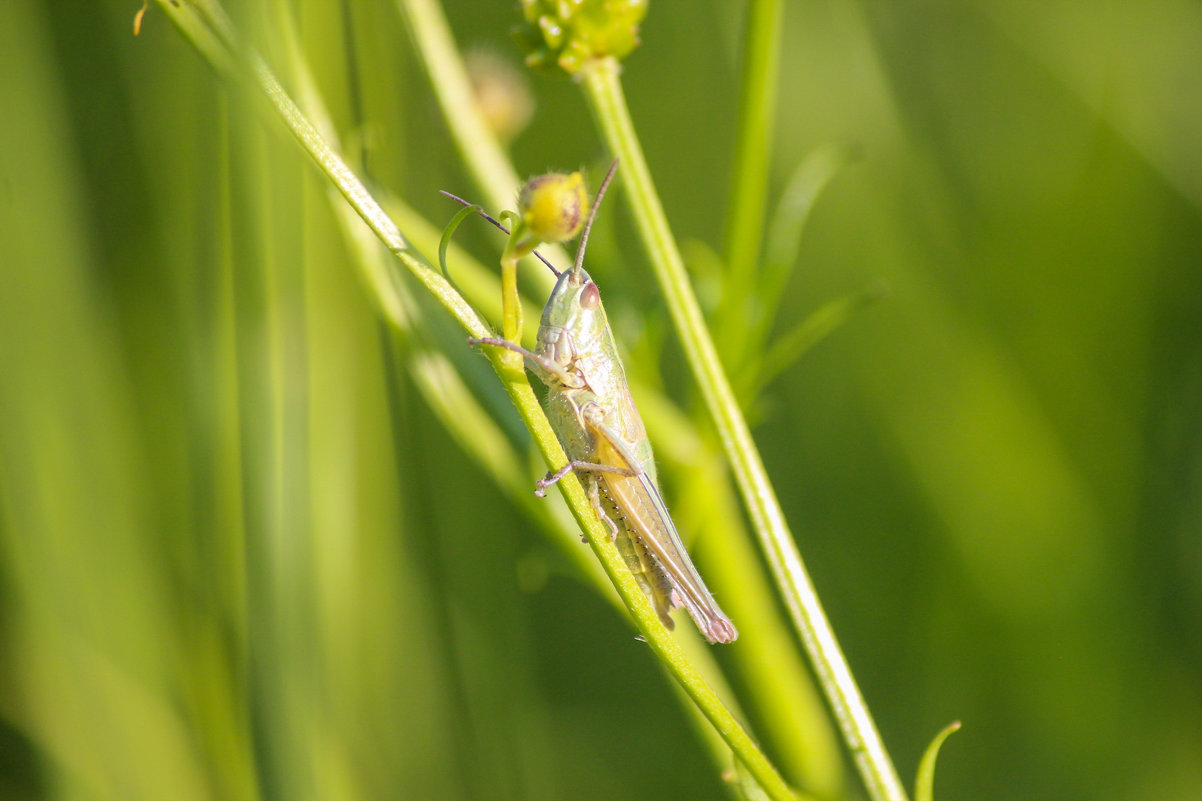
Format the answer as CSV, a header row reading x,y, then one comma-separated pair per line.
x,y
812,330
449,232
924,785
789,218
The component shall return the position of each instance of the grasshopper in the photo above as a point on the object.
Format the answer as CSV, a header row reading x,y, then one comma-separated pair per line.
x,y
592,412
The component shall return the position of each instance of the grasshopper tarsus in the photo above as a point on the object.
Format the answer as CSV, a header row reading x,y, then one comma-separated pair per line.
x,y
551,477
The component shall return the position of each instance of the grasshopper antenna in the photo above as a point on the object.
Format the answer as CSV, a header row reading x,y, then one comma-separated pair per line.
x,y
588,225
505,230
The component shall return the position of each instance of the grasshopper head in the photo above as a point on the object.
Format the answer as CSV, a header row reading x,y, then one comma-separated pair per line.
x,y
574,321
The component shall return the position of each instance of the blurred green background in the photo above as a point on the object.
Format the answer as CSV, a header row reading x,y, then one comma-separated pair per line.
x,y
241,559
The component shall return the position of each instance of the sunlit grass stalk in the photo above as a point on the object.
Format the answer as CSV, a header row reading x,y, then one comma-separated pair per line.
x,y
604,91
749,176
483,155
217,35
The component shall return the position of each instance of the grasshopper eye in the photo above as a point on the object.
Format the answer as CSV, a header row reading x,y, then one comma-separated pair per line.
x,y
590,296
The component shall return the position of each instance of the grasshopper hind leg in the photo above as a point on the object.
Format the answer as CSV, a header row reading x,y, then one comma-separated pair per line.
x,y
594,495
650,577
587,467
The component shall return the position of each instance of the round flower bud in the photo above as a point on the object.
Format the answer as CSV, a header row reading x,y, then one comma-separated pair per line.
x,y
554,206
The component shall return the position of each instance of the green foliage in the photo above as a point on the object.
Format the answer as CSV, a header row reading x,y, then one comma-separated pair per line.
x,y
924,786
257,543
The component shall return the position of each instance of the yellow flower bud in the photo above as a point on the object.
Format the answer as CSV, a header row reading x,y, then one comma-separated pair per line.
x,y
554,206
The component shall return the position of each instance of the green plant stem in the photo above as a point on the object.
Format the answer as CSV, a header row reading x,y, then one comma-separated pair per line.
x,y
645,618
484,155
749,180
217,35
604,91
511,302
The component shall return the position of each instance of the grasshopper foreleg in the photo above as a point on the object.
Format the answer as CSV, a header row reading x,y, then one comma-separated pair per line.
x,y
497,342
537,360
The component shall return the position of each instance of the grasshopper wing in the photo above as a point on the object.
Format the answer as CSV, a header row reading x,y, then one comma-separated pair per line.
x,y
637,498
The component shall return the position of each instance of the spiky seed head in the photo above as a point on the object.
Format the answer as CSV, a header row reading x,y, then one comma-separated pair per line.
x,y
569,33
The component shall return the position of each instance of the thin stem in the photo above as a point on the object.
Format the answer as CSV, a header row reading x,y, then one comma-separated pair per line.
x,y
482,153
604,92
645,618
511,302
484,156
749,180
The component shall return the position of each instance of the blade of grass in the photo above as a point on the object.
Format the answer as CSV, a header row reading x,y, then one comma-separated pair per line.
x,y
483,154
604,92
786,226
749,179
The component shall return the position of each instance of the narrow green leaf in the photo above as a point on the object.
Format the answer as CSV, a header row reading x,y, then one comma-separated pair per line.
x,y
812,330
788,220
448,233
925,784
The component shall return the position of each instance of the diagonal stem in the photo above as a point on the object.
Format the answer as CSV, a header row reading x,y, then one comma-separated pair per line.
x,y
604,91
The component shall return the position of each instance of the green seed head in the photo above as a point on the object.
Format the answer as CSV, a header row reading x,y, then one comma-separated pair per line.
x,y
554,206
569,33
